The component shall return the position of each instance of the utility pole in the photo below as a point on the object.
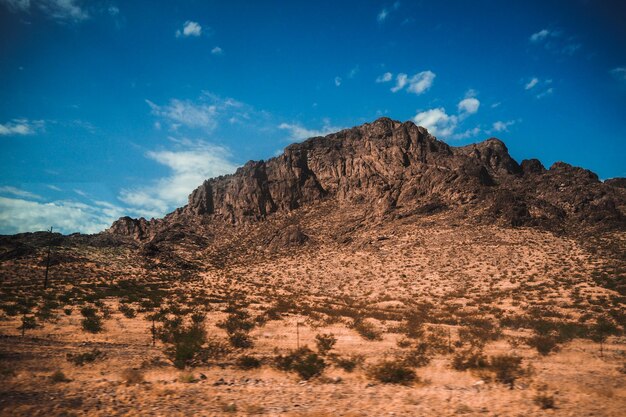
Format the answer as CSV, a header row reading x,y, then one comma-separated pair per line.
x,y
45,282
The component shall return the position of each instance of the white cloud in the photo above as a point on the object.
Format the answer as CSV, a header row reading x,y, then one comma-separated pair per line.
x,y
545,93
619,73
298,132
555,41
467,134
421,82
16,5
18,192
217,51
468,106
18,216
386,77
191,162
187,113
20,127
437,121
539,36
502,126
337,81
61,10
533,82
401,80
190,28
382,15
114,10
417,84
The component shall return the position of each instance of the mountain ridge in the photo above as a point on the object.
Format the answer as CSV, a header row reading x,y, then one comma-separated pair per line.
x,y
394,168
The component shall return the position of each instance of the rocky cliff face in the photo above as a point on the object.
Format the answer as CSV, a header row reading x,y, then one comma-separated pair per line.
x,y
393,166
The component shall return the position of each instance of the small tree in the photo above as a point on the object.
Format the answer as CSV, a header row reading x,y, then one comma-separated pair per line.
x,y
184,342
28,323
601,331
91,322
325,342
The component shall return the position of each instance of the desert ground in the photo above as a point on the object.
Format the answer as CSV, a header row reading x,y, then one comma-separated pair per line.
x,y
433,320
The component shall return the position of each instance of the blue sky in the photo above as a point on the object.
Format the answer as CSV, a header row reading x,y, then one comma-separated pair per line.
x,y
111,108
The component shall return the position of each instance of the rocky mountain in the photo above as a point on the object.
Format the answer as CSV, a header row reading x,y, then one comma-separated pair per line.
x,y
394,169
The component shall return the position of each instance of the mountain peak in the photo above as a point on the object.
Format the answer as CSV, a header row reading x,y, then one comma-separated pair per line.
x,y
390,167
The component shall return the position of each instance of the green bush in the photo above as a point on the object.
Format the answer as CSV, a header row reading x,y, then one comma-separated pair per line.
x,y
127,311
184,342
248,362
79,359
366,329
325,342
92,324
306,363
349,363
470,358
507,368
392,372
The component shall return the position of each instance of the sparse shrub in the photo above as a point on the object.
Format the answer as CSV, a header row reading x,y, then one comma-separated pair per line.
x,y
507,368
229,408
603,328
544,401
306,363
132,376
92,324
349,363
366,329
325,342
418,356
240,340
185,342
248,362
213,349
544,343
67,311
80,359
392,372
59,376
28,323
187,378
127,311
470,358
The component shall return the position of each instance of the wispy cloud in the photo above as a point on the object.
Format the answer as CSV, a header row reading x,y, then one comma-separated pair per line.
x,y
530,84
416,84
21,127
619,73
545,93
540,36
299,132
386,77
190,163
338,81
384,13
60,10
556,41
18,215
19,192
217,51
501,126
187,113
190,28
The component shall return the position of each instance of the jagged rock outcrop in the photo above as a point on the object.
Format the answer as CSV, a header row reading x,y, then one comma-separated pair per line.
x,y
398,167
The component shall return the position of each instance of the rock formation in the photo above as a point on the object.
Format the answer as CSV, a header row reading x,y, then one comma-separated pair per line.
x,y
393,167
